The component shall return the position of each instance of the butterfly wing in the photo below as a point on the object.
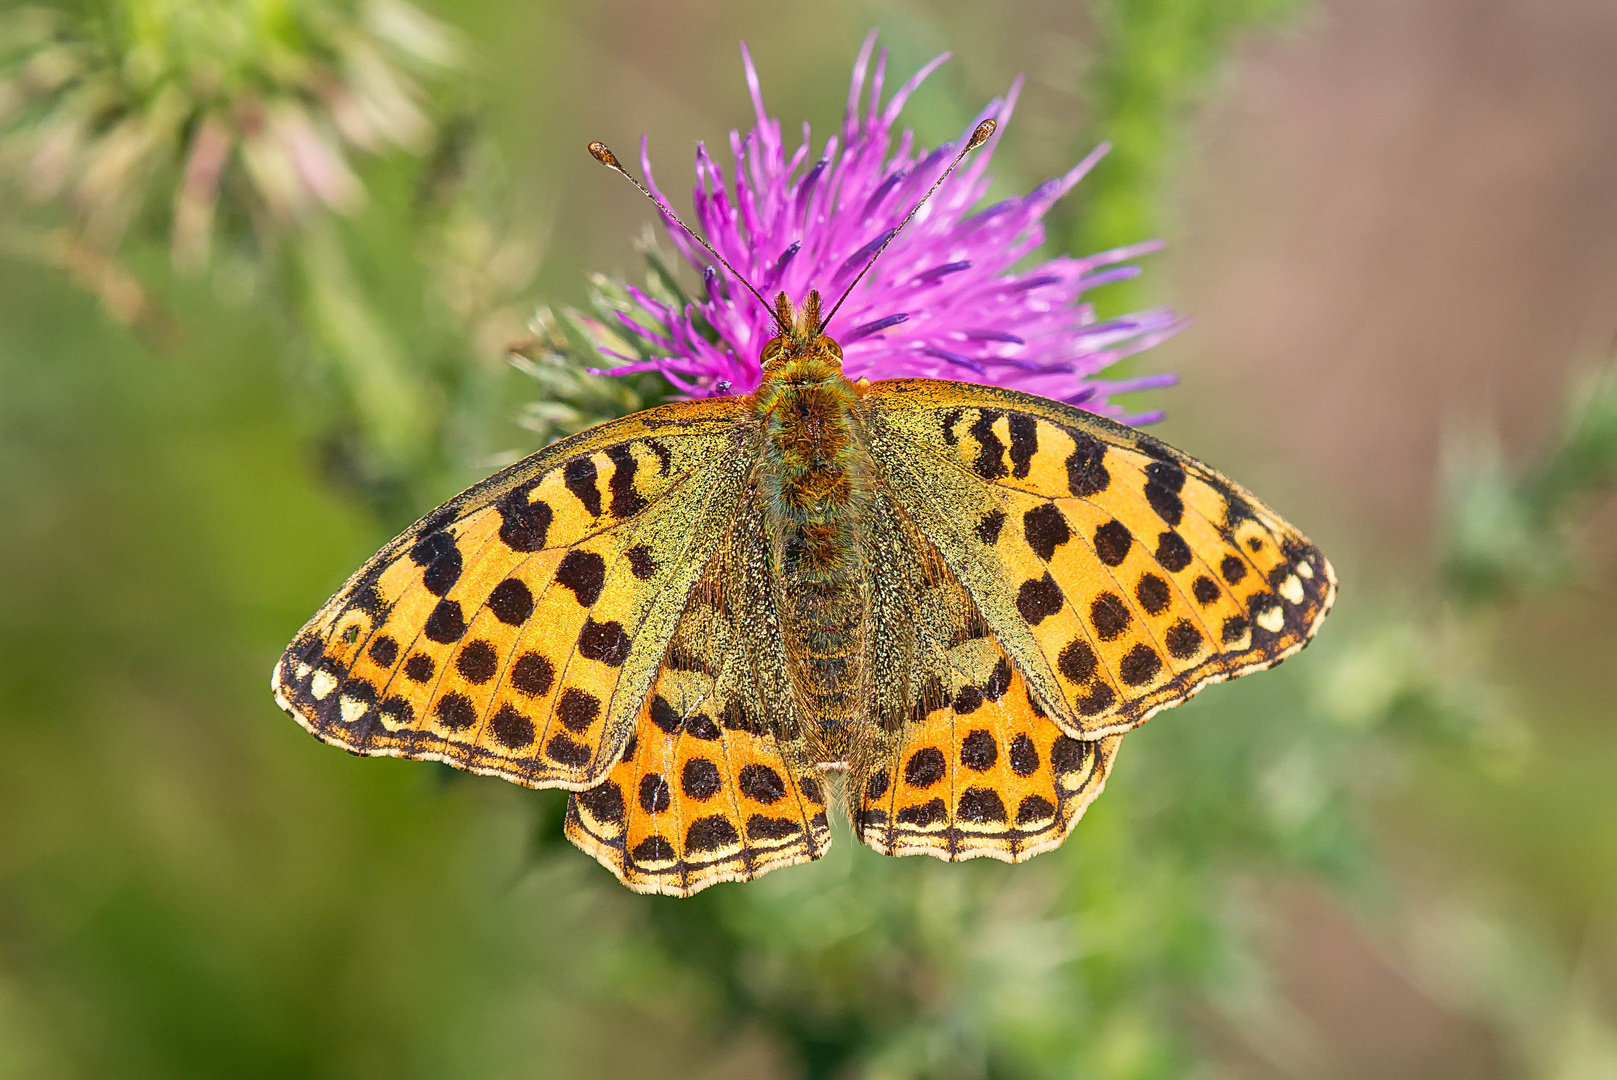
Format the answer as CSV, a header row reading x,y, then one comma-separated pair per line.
x,y
1118,574
516,630
963,761
709,789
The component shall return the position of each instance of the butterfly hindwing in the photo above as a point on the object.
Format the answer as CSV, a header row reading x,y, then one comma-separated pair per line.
x,y
966,762
1120,575
710,788
515,631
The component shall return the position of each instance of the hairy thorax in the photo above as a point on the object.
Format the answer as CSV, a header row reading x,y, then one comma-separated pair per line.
x,y
816,475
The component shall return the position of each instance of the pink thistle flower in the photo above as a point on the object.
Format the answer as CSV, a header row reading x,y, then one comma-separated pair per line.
x,y
944,301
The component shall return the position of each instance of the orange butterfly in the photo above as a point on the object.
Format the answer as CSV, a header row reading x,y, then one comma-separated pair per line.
x,y
956,597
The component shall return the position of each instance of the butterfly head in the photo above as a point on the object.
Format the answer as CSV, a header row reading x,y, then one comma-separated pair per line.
x,y
800,340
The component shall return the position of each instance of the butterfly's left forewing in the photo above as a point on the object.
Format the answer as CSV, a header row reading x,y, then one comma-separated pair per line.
x,y
515,631
1119,574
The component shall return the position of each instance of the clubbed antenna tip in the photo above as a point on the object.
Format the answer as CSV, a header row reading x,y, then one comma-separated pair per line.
x,y
600,152
979,135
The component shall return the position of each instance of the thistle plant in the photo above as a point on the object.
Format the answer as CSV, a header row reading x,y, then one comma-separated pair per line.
x,y
202,119
950,297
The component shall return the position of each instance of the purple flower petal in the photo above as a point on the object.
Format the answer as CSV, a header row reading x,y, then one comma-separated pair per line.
x,y
811,221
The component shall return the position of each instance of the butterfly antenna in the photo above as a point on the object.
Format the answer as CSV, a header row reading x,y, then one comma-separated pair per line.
x,y
978,137
601,153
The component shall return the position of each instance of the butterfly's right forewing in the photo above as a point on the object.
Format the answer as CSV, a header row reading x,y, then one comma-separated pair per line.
x,y
1119,574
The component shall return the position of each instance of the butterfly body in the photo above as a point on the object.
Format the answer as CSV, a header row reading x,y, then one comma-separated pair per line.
x,y
818,481
956,596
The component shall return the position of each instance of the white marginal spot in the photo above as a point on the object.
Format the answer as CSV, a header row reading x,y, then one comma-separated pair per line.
x,y
303,671
1292,589
1272,620
324,683
1304,570
352,709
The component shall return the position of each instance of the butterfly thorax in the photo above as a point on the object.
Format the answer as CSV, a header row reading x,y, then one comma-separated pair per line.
x,y
816,478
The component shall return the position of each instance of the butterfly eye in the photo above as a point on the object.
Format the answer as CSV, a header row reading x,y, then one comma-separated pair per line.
x,y
772,350
832,347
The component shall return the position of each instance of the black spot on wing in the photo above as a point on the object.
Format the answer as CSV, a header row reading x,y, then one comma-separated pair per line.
x,y
928,813
925,768
641,562
514,731
1077,661
532,674
1173,554
1183,640
1110,616
760,827
446,624
654,795
710,834
1163,482
1086,468
980,806
605,642
978,750
1153,594
384,650
664,715
604,802
579,476
511,602
439,560
652,850
584,572
1024,756
456,712
1038,598
1033,809
990,463
626,501
1112,543
999,680
524,526
1024,443
477,662
761,784
577,709
700,779
1045,529
1140,665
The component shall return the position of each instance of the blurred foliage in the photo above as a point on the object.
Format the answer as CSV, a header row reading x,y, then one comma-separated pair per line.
x,y
1153,61
291,149
189,888
1513,532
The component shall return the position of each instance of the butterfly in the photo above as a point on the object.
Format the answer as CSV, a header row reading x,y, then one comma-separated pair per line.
x,y
952,598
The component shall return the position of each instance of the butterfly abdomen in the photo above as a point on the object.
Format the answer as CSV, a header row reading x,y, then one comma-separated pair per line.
x,y
816,474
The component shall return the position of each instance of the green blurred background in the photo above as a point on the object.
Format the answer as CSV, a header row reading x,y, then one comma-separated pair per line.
x,y
1395,222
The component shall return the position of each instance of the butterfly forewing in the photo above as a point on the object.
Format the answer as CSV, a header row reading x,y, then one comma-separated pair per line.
x,y
711,787
1119,575
515,630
